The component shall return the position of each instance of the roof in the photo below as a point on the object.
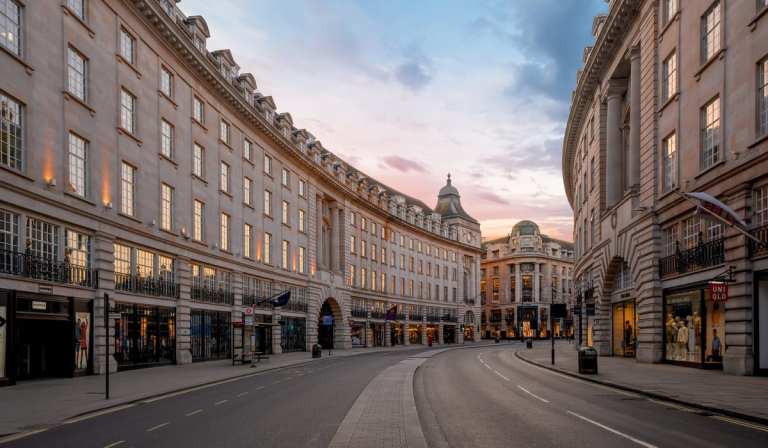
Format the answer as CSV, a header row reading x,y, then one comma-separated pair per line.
x,y
526,227
449,203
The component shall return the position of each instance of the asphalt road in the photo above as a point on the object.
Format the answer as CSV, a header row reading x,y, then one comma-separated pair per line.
x,y
486,397
293,407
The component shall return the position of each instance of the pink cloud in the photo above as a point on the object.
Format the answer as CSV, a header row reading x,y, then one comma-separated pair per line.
x,y
403,165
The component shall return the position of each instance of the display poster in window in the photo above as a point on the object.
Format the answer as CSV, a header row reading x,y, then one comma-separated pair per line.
x,y
3,327
82,340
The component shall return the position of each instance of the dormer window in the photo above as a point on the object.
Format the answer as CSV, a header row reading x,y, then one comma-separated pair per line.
x,y
199,44
167,6
269,115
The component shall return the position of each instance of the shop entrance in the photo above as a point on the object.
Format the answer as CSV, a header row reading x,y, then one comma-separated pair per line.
x,y
328,324
624,329
44,348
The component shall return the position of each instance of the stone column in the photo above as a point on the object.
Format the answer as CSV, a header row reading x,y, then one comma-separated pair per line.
x,y
613,156
183,311
536,283
406,324
103,337
440,334
322,263
518,286
277,334
387,334
335,232
634,118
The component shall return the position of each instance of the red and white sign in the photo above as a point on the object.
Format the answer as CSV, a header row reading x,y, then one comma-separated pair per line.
x,y
718,291
248,311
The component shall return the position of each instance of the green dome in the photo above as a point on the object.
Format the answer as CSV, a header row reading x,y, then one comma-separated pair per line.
x,y
525,228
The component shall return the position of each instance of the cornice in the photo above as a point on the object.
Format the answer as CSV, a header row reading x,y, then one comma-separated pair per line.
x,y
611,37
174,37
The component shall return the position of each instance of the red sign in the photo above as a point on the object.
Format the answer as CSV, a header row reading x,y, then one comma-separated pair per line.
x,y
248,311
718,291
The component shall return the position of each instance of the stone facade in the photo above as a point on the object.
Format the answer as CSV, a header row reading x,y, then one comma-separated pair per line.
x,y
522,274
671,99
143,156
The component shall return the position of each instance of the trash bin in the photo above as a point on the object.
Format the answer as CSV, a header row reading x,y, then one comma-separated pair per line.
x,y
588,360
529,343
316,351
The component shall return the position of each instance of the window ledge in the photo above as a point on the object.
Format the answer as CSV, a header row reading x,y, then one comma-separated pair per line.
x,y
707,170
17,173
132,218
225,144
674,98
79,198
195,176
759,140
250,162
168,159
18,59
200,242
69,96
267,215
669,192
69,12
245,204
753,23
669,23
120,58
285,224
194,120
226,193
719,55
169,231
129,134
162,94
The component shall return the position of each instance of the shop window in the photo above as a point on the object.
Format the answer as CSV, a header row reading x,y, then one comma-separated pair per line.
x,y
694,328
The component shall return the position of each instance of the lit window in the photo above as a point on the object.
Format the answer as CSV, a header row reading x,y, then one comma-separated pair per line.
x,y
669,148
247,150
267,202
10,26
224,177
267,164
77,165
166,82
669,77
166,207
760,210
247,236
268,248
43,239
352,218
127,111
127,46
286,213
710,32
198,110
285,178
78,250
224,231
198,160
11,133
247,188
302,260
198,221
352,244
301,221
76,74
710,134
127,182
302,188
285,254
166,139
224,131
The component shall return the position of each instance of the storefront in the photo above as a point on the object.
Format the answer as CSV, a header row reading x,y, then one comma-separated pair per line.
x,y
544,323
358,334
433,332
293,332
262,333
144,335
210,334
377,334
694,328
761,323
449,334
624,328
397,334
414,334
43,336
527,321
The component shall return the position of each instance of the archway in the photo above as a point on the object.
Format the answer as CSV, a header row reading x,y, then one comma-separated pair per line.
x,y
330,325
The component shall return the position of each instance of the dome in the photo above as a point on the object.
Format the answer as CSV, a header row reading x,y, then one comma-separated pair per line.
x,y
449,203
525,228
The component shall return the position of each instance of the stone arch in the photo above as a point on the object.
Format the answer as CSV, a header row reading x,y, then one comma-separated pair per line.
x,y
332,331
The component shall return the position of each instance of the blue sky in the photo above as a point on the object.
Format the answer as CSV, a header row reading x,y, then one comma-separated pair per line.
x,y
408,91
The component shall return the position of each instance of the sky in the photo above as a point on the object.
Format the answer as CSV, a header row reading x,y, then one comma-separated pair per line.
x,y
408,91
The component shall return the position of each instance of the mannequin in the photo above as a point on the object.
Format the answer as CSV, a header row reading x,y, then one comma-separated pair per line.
x,y
682,339
692,353
697,324
671,335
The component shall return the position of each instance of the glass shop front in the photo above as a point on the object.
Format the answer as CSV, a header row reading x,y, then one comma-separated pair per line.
x,y
211,334
624,328
145,335
357,332
694,328
397,334
527,321
293,334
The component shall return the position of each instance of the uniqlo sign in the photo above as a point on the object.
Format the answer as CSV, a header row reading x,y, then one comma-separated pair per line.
x,y
718,291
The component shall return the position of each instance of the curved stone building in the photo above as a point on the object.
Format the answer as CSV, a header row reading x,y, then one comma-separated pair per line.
x,y
672,99
521,275
138,164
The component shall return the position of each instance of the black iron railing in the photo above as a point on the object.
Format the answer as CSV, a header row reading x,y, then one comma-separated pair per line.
x,y
759,249
450,317
298,305
378,314
399,316
204,290
39,268
359,312
159,286
259,301
433,317
704,255
469,301
416,316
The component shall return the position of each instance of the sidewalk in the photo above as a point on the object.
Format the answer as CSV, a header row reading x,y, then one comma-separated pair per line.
x,y
739,396
39,404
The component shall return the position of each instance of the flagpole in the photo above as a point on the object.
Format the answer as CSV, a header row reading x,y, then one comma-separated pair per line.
x,y
720,218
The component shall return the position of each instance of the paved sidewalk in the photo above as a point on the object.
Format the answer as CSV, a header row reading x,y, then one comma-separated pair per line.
x,y
31,405
740,396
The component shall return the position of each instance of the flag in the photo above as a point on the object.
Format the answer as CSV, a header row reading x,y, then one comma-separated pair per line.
x,y
280,299
392,313
717,208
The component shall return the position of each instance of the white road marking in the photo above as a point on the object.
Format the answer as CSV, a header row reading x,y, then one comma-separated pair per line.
x,y
220,402
114,444
242,394
499,373
277,382
195,412
743,423
158,426
544,400
609,429
259,388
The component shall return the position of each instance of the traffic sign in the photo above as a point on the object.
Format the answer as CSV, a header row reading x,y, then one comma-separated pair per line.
x,y
248,311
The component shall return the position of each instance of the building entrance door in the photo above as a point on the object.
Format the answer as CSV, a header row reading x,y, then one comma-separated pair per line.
x,y
44,348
